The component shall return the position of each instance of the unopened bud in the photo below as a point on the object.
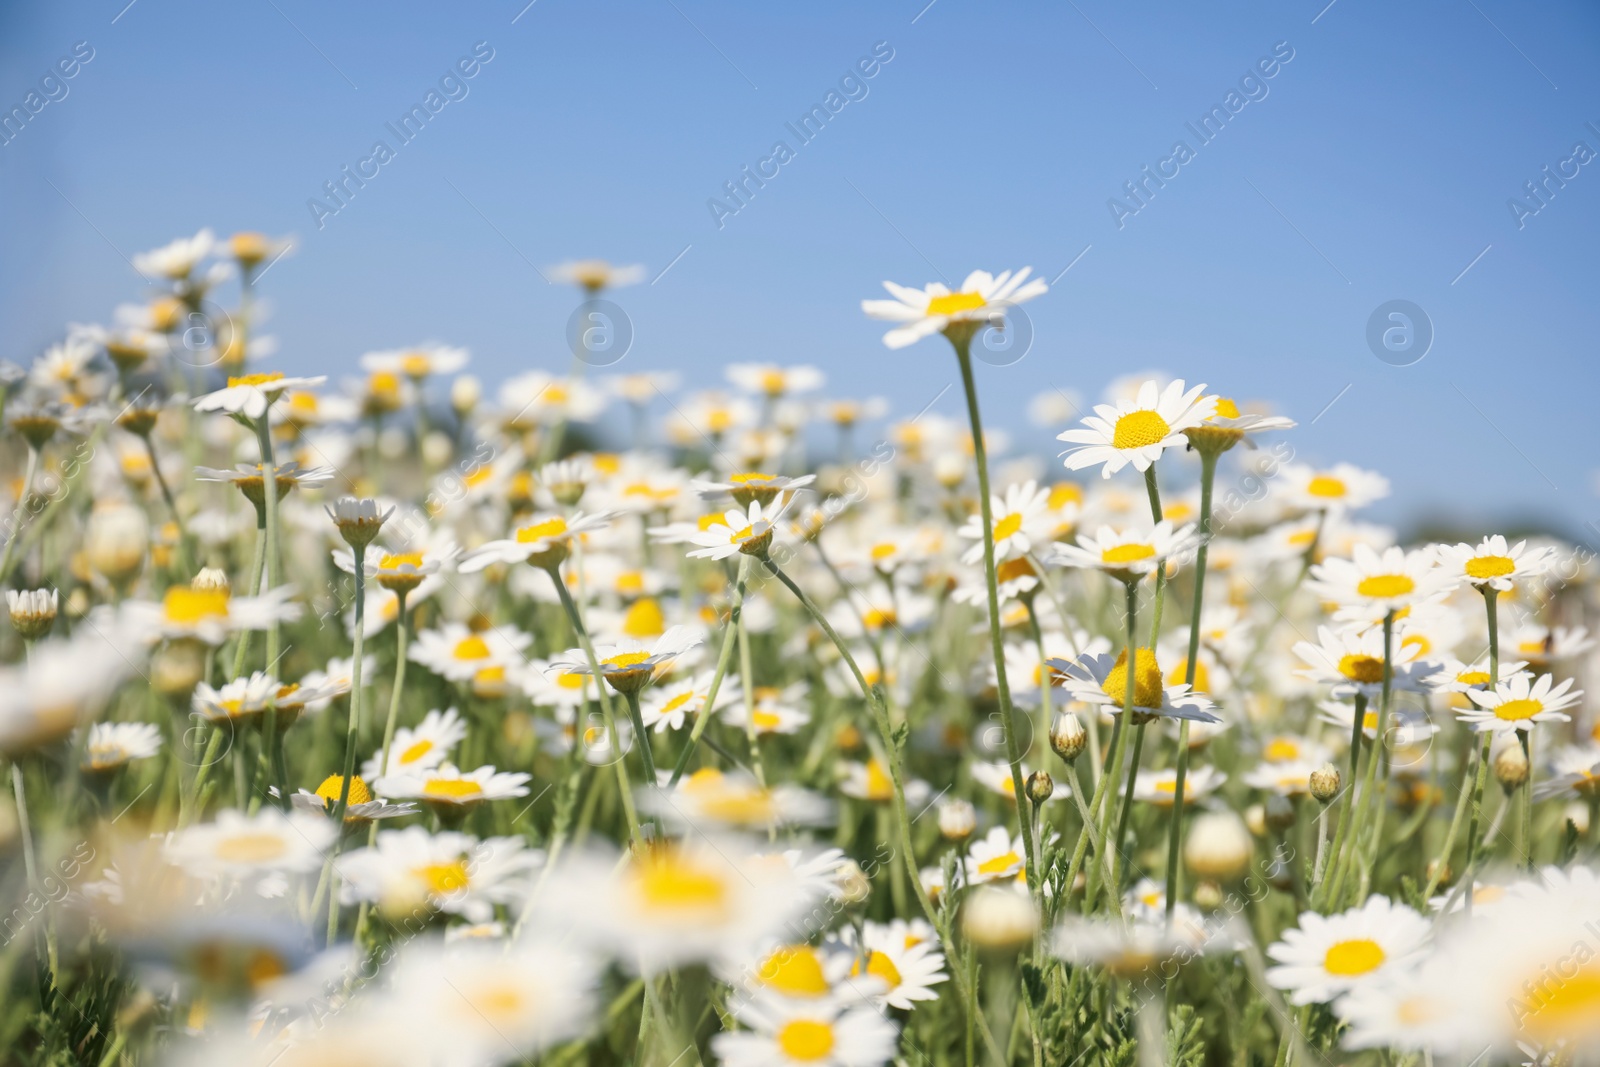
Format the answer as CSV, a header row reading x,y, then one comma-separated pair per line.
x,y
957,819
1279,812
1325,782
1039,787
1208,896
1255,817
33,611
851,884
210,580
1218,846
464,393
1511,767
1577,813
1067,735
999,920
1433,871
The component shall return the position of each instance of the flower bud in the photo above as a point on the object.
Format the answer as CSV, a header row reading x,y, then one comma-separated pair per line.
x,y
1255,818
177,667
1208,895
1039,787
957,819
1577,813
1325,782
437,448
358,520
210,580
1218,846
999,920
851,884
1511,767
115,542
465,392
1067,735
1279,812
33,611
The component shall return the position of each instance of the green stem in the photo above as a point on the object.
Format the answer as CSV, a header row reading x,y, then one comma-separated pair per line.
x,y
272,743
963,343
703,716
1346,805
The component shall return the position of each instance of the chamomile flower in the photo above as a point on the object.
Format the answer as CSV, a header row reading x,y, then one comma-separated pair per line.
x,y
399,571
631,664
452,872
1493,563
416,363
776,711
749,532
1543,646
113,745
995,857
209,615
251,846
752,487
1340,487
1161,787
543,541
667,706
1130,554
1137,433
1455,676
176,259
772,380
676,902
251,395
1327,956
1350,660
1128,950
361,807
871,781
419,748
1519,703
736,801
784,1032
593,275
982,299
1574,772
1100,678
1021,520
458,653
1227,426
446,786
908,968
1389,581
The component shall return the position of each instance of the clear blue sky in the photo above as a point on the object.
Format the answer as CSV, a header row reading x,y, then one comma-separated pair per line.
x,y
1378,166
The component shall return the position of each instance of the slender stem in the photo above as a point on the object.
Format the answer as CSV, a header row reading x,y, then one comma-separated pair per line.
x,y
747,683
1154,493
1113,773
1358,722
619,763
1208,473
963,344
703,716
641,738
402,636
1527,799
272,744
185,557
1491,606
242,647
352,731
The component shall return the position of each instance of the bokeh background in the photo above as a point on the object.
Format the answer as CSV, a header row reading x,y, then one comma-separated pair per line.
x,y
1378,166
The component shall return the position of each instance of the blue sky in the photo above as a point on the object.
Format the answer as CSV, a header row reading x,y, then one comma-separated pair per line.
x,y
1378,165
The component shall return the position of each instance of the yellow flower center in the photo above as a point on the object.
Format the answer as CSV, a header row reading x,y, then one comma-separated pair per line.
x,y
194,605
1563,1008
1000,864
676,702
1007,526
452,789
766,720
1281,749
394,560
471,647
954,303
1226,409
772,381
794,971
1127,553
415,364
672,883
886,549
1517,710
1138,429
1147,691
1482,568
740,536
1361,668
255,379
251,848
1202,676
644,619
1327,487
442,879
746,807
416,751
1357,956
331,786
1383,586
1064,493
1473,677
1013,569
806,1039
541,531
880,966
625,659
751,478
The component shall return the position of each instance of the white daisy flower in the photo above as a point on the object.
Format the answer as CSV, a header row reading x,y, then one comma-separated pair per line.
x,y
735,801
1520,702
416,363
630,664
772,380
178,258
1100,678
1131,553
399,571
1342,486
908,968
1161,787
668,706
112,745
1544,646
1455,676
421,747
453,872
749,532
1131,950
360,805
208,615
447,786
490,1003
240,845
1138,433
456,652
995,857
251,395
1493,563
982,299
1350,660
1289,777
1021,520
1327,956
596,274
1228,425
546,538
1391,581
752,487
783,1032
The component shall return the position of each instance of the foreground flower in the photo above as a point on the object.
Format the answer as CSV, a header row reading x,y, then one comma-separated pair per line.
x,y
748,532
447,787
630,664
1327,956
113,745
268,842
813,1033
735,801
1129,554
1101,679
1138,433
251,394
545,541
1388,582
1350,660
982,299
421,747
1021,519
448,871
1492,563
